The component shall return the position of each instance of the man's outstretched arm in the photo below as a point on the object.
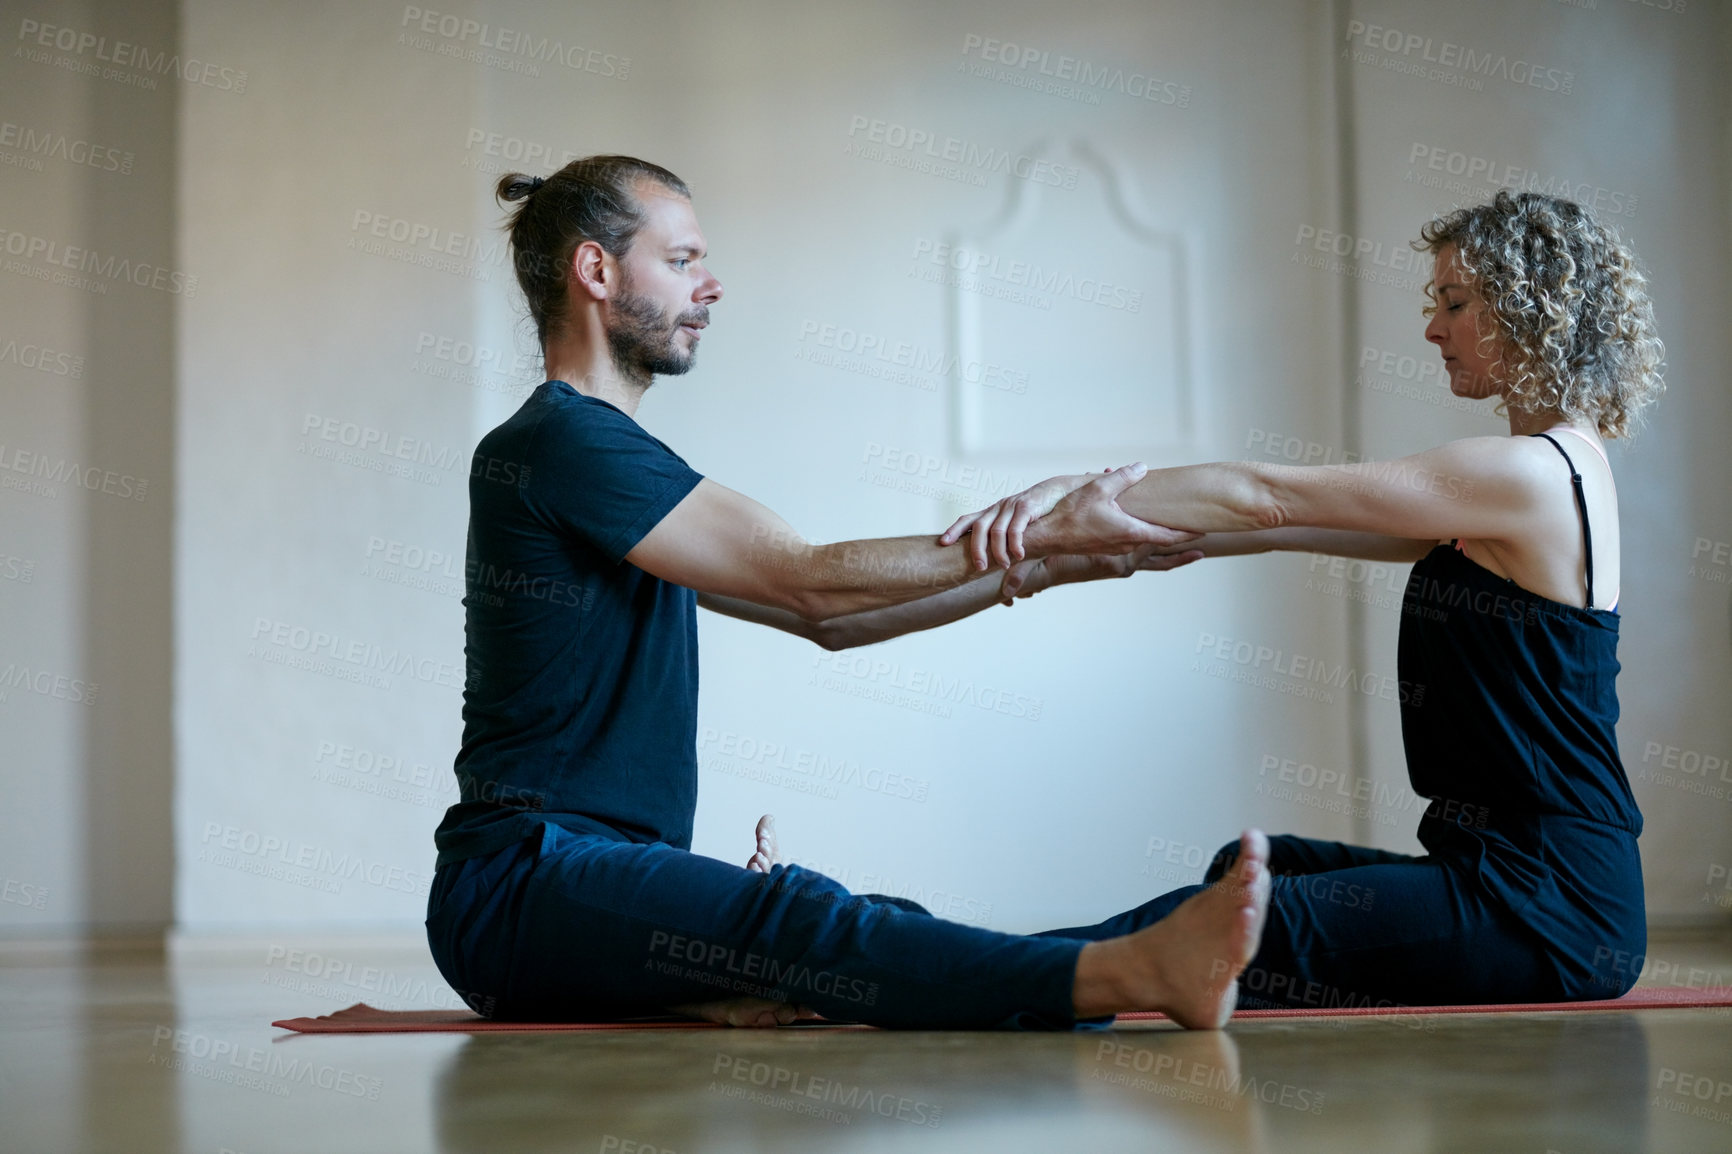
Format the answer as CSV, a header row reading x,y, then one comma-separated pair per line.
x,y
871,625
874,625
721,542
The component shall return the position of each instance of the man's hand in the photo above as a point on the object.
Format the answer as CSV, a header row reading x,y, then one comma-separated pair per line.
x,y
1066,518
1026,578
990,524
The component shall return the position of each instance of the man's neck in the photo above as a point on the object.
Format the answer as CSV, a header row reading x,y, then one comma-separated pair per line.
x,y
587,367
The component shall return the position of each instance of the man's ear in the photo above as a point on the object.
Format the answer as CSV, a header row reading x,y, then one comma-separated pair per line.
x,y
593,271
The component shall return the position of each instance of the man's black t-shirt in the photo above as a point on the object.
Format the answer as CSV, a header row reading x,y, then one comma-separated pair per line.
x,y
580,704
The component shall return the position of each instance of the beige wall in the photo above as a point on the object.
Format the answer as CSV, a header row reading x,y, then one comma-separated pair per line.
x,y
87,380
1073,755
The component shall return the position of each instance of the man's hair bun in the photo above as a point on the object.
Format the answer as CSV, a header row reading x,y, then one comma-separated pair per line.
x,y
517,186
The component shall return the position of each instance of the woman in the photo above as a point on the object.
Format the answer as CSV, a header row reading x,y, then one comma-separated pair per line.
x,y
1532,884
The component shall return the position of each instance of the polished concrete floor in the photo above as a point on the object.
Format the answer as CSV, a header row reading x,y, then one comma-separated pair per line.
x,y
128,1054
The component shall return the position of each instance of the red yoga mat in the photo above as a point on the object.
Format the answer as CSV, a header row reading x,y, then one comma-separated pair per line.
x,y
364,1019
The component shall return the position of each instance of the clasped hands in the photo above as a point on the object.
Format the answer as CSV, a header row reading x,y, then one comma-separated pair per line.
x,y
1074,527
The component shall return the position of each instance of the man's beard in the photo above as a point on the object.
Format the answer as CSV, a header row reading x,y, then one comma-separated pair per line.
x,y
641,338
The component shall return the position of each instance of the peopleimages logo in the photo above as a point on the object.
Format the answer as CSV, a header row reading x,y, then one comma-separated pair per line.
x,y
52,471
870,131
791,1089
301,862
1300,674
893,682
187,1051
57,145
931,364
1029,283
41,359
35,36
756,974
274,641
1491,174
108,266
497,44
1409,51
727,750
1074,72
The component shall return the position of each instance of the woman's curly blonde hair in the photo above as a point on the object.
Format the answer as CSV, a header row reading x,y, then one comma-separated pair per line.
x,y
1568,302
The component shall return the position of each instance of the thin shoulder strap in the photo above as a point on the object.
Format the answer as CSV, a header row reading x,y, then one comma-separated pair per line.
x,y
1586,440
1582,507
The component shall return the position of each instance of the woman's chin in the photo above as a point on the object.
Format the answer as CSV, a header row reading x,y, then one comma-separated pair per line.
x,y
1468,389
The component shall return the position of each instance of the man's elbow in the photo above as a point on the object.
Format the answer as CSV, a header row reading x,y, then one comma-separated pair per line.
x,y
784,588
829,637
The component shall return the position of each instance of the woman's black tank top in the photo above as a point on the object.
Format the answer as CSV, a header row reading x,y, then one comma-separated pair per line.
x,y
1512,737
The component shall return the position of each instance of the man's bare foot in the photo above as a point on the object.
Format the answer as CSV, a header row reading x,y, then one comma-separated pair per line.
x,y
769,853
761,1013
1187,964
757,1013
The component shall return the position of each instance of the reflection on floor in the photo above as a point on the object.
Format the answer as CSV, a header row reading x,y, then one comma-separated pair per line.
x,y
130,1055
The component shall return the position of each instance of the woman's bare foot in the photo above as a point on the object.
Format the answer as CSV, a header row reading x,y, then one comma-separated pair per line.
x,y
1187,964
769,853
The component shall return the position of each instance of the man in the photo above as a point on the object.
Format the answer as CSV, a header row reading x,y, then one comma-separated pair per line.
x,y
565,886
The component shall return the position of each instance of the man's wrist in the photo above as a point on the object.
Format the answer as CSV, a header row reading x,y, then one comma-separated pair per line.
x,y
1037,540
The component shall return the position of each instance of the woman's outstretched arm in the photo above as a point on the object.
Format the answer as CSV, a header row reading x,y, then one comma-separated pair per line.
x,y
1481,487
1328,542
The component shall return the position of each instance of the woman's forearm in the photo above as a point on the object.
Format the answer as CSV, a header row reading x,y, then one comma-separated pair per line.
x,y
1221,497
1237,506
1300,539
